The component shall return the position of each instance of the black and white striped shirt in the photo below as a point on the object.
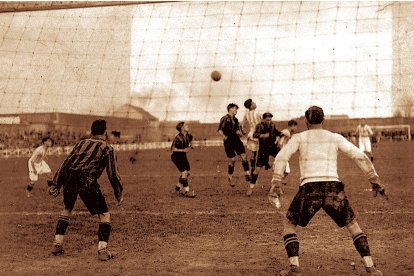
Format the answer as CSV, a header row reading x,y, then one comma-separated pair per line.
x,y
88,159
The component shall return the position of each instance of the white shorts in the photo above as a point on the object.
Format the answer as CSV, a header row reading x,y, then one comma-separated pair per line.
x,y
41,168
365,144
252,144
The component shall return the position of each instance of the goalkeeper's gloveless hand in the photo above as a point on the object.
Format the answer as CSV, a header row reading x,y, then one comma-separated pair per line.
x,y
54,191
378,187
275,193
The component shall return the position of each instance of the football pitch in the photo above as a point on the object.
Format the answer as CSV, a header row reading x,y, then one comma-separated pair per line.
x,y
220,232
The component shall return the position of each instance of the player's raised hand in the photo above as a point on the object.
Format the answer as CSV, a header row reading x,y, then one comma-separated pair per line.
x,y
378,187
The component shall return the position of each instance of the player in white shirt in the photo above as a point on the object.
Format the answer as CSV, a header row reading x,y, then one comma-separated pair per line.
x,y
252,117
320,186
285,137
38,166
364,133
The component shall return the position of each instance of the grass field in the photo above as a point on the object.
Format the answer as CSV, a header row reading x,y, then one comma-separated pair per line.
x,y
220,232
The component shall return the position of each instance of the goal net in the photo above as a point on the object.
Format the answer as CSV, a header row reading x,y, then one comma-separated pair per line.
x,y
151,62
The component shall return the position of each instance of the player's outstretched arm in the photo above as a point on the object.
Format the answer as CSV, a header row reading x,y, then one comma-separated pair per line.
x,y
365,164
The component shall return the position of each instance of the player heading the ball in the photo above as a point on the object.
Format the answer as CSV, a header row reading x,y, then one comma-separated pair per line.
x,y
252,117
231,132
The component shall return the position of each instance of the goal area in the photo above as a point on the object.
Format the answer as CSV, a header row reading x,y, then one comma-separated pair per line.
x,y
393,132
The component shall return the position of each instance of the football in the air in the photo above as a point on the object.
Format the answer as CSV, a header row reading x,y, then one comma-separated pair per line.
x,y
215,75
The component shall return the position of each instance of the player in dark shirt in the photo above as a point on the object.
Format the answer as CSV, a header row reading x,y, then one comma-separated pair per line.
x,y
179,147
267,134
229,129
78,175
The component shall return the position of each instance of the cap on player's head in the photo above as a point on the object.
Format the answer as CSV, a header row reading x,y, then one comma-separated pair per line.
x,y
179,126
314,115
292,123
231,105
98,127
248,103
267,115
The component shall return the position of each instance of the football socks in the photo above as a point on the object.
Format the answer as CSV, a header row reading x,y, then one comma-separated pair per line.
x,y
245,164
184,182
254,178
104,231
30,187
291,245
230,169
62,225
361,244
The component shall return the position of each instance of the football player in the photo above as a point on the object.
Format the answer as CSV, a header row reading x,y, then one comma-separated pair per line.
x,y
38,166
320,186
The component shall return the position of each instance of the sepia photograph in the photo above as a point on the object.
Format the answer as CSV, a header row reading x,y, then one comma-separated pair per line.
x,y
206,138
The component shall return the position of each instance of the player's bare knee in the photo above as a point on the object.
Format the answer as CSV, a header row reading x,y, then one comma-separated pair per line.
x,y
353,228
105,217
66,213
288,227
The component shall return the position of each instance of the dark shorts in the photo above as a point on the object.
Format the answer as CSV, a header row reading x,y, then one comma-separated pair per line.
x,y
328,195
264,154
180,160
233,146
89,192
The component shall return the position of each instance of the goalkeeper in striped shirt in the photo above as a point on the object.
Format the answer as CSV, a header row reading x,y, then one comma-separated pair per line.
x,y
320,186
78,175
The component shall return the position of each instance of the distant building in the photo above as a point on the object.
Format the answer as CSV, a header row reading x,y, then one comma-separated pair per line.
x,y
129,122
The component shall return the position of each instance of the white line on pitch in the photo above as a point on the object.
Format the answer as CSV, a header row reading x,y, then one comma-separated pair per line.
x,y
198,213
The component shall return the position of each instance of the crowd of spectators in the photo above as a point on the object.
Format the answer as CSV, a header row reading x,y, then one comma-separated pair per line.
x,y
32,139
387,135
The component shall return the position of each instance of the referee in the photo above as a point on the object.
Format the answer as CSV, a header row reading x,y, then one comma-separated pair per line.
x,y
78,175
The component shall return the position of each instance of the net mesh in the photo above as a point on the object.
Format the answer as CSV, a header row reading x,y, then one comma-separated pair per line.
x,y
348,57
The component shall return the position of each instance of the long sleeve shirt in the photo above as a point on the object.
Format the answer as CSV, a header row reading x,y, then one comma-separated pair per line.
x,y
253,118
229,125
88,159
264,128
318,153
38,155
364,131
182,141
